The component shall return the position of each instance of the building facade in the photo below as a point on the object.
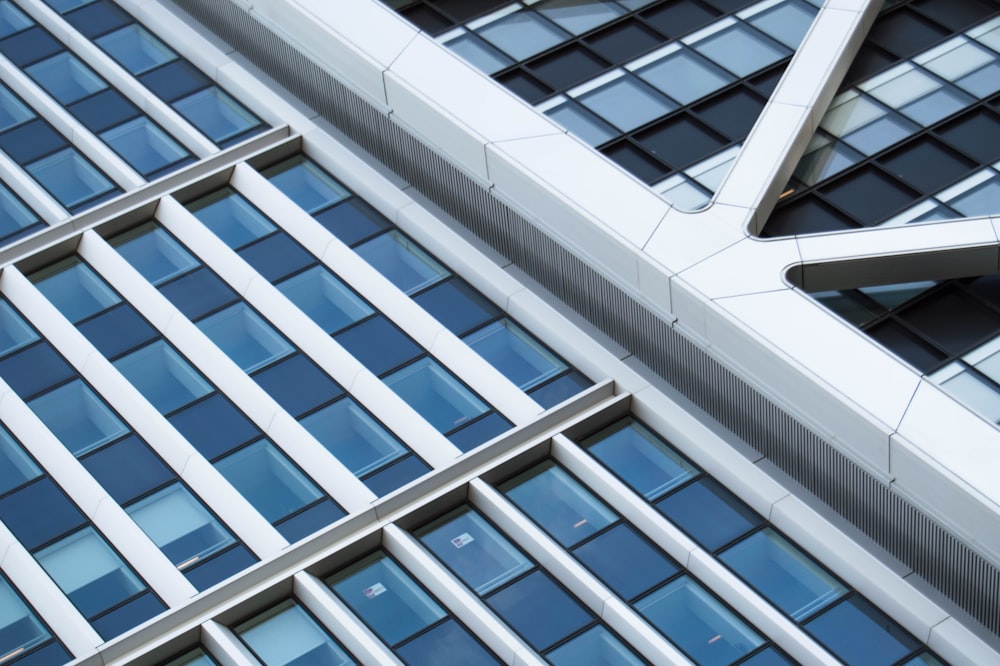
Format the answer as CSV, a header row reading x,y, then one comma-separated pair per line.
x,y
320,346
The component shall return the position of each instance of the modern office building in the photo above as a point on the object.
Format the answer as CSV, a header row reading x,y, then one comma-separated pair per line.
x,y
492,331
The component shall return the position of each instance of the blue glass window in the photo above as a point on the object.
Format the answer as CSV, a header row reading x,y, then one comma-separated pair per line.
x,y
448,638
15,216
379,344
457,305
30,141
436,395
180,526
217,115
287,635
16,466
521,358
104,110
783,574
386,598
21,509
298,384
79,418
30,46
174,80
14,331
75,289
127,469
698,623
305,183
196,657
214,426
741,49
35,369
539,610
246,338
640,458
92,575
268,480
594,647
709,513
161,375
626,562
352,221
557,502
12,110
474,550
858,633
146,147
65,77
154,253
232,218
20,629
117,330
353,436
70,178
198,293
327,300
136,49
402,261
277,256
12,19
97,18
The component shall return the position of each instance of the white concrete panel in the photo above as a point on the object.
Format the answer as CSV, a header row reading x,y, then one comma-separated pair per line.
x,y
745,267
224,646
331,611
52,606
821,367
654,284
959,646
576,182
780,128
684,239
857,567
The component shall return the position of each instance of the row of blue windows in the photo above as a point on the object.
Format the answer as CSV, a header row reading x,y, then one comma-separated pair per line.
x,y
637,570
434,392
75,555
49,158
842,621
525,596
23,636
269,481
524,360
90,99
304,390
158,67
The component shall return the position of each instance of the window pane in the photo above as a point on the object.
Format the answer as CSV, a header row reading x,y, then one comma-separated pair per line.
x,y
522,34
231,217
783,574
70,177
353,436
14,214
538,609
216,114
625,561
287,634
402,262
76,290
12,110
709,513
698,623
66,78
582,123
481,55
89,572
435,394
858,633
641,458
627,103
16,467
268,480
512,351
579,17
12,19
246,338
306,184
448,641
685,76
788,22
386,598
20,630
741,49
80,419
14,331
144,146
556,501
163,376
475,551
135,48
180,525
593,647
328,301
154,253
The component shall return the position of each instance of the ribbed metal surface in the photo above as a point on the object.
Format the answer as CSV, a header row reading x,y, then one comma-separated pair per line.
x,y
923,544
